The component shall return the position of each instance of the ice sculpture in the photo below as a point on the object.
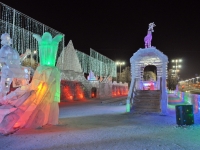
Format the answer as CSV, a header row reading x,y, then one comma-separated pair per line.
x,y
91,76
48,47
36,104
142,58
10,66
148,37
68,59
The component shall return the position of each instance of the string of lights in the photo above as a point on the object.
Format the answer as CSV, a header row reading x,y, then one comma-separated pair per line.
x,y
21,28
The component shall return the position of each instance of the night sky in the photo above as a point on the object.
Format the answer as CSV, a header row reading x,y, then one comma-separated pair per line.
x,y
116,28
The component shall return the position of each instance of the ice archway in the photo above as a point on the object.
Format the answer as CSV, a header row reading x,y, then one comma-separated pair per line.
x,y
141,59
149,69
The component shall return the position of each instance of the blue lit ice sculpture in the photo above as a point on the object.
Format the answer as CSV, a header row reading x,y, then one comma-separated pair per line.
x,y
91,76
10,66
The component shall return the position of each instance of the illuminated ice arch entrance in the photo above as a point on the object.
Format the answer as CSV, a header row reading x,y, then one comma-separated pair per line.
x,y
141,59
150,77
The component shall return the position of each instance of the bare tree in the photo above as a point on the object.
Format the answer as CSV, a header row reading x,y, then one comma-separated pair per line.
x,y
30,62
172,80
149,75
125,76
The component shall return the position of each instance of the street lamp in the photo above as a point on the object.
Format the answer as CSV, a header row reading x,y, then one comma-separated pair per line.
x,y
120,64
173,72
177,61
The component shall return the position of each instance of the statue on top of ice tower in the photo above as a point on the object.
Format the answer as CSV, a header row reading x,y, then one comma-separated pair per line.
x,y
148,37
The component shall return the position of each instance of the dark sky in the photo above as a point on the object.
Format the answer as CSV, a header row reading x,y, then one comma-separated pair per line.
x,y
116,28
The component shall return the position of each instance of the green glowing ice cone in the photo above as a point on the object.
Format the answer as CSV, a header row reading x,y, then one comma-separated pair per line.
x,y
48,48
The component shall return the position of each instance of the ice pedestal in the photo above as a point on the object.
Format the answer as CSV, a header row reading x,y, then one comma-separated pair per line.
x,y
184,115
33,105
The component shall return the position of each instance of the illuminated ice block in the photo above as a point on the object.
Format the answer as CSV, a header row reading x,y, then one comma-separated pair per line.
x,y
184,115
48,47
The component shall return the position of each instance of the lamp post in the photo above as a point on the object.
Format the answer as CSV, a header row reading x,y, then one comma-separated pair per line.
x,y
120,64
176,61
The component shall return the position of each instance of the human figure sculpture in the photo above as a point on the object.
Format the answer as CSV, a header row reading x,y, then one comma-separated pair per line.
x,y
10,66
148,37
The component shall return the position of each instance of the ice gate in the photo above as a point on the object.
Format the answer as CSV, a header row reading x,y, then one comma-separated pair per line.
x,y
141,59
154,98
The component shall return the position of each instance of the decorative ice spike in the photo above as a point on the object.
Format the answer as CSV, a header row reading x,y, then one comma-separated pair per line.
x,y
48,48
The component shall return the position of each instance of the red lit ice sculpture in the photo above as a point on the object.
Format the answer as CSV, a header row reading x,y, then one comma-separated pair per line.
x,y
36,104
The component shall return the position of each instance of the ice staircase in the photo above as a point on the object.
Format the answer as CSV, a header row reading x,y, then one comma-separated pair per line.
x,y
146,101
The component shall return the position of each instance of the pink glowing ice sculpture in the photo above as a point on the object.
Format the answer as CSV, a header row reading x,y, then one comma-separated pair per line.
x,y
148,37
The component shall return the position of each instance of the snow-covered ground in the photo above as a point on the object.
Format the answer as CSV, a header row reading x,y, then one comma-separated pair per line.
x,y
91,125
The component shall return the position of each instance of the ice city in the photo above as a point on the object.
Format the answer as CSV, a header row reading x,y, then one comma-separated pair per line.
x,y
38,71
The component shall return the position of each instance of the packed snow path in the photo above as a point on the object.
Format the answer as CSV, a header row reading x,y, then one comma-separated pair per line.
x,y
90,125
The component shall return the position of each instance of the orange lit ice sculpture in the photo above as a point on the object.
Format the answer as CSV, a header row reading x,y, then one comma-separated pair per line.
x,y
36,104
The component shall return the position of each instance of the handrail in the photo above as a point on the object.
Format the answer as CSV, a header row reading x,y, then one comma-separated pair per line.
x,y
133,91
161,85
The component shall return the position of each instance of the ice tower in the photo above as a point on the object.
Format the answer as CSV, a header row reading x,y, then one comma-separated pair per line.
x,y
140,98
